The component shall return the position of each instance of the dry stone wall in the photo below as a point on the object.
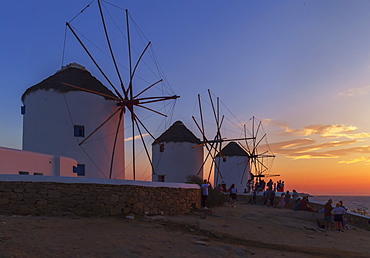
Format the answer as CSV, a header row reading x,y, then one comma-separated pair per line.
x,y
89,199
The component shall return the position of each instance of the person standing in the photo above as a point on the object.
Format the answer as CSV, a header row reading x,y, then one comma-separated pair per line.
x,y
254,196
327,214
233,192
287,200
338,212
294,195
272,197
344,222
270,184
205,187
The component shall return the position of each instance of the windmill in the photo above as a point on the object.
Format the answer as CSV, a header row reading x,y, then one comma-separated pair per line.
x,y
259,152
214,143
125,95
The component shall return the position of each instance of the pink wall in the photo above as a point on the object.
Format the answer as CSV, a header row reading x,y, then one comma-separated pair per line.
x,y
12,161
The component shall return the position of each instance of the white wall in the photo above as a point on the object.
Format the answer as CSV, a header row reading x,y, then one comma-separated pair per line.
x,y
178,161
48,127
235,170
12,161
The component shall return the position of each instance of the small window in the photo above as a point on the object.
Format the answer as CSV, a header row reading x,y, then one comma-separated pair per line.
x,y
80,170
38,174
23,173
161,178
23,110
79,131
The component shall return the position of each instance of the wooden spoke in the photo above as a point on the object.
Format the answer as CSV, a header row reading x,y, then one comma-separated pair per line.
x,y
159,113
137,95
93,132
110,47
90,91
115,142
94,61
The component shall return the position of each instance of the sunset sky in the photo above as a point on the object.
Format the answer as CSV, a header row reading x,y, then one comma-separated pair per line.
x,y
301,67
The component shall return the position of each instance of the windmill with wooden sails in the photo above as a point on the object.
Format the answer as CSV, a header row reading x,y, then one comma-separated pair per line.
x,y
242,158
94,113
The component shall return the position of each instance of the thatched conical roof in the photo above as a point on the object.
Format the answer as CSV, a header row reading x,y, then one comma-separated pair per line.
x,y
233,149
74,74
177,133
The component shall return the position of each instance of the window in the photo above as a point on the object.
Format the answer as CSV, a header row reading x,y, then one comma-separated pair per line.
x,y
80,170
38,174
79,131
23,110
161,178
23,173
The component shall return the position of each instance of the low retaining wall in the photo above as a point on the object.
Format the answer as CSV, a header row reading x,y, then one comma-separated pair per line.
x,y
50,196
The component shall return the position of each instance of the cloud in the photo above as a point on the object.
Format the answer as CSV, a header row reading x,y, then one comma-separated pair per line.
x,y
309,148
354,92
361,159
323,131
312,156
136,137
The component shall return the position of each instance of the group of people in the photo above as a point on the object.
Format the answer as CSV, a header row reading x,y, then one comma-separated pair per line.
x,y
220,188
261,185
335,213
288,200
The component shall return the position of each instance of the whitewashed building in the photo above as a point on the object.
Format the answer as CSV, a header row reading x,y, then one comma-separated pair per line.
x,y
20,162
233,166
174,155
57,118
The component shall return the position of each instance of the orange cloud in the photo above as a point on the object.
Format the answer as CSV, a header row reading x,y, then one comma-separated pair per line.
x,y
323,131
361,159
308,149
136,137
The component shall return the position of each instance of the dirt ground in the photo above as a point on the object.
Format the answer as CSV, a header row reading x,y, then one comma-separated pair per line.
x,y
243,231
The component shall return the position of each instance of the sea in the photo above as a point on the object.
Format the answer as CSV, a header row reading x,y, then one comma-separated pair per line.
x,y
350,202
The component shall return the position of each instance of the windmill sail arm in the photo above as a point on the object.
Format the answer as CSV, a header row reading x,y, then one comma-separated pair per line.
x,y
147,88
100,126
151,110
155,99
90,91
138,61
266,156
110,46
94,61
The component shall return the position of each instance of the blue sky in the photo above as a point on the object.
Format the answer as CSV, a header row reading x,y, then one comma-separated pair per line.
x,y
301,66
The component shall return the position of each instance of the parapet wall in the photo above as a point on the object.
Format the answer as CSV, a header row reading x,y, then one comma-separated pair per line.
x,y
352,218
45,197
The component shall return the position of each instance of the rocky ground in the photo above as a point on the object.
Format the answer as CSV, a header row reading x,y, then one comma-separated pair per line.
x,y
243,231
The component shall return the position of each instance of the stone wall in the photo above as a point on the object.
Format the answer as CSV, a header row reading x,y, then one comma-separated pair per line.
x,y
91,199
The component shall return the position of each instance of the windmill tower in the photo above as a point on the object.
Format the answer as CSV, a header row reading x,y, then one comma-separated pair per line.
x,y
58,118
126,99
233,164
174,156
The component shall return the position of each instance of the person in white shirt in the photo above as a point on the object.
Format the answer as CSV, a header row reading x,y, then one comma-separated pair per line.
x,y
338,212
205,187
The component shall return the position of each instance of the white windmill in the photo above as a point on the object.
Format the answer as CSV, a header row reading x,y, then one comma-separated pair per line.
x,y
99,113
174,158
